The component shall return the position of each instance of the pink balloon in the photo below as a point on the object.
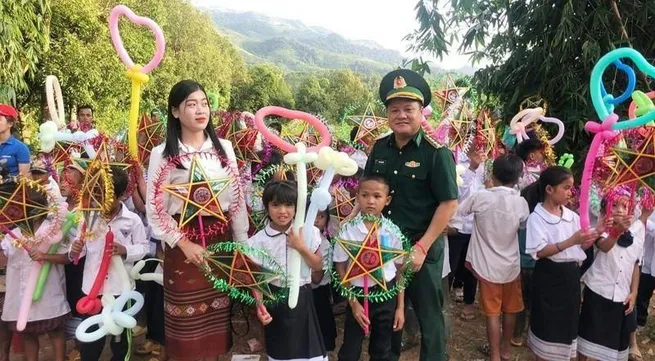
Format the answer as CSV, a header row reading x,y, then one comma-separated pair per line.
x,y
160,44
602,131
560,128
323,131
30,286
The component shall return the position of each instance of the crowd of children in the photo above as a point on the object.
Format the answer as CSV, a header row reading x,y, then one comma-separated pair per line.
x,y
514,242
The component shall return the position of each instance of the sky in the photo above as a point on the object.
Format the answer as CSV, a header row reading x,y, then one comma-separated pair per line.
x,y
384,21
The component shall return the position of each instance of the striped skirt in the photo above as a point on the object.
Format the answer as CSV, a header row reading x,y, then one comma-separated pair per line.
x,y
196,316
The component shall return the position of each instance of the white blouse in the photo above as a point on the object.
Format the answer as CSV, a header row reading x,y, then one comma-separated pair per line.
x,y
275,244
611,273
545,228
53,301
213,170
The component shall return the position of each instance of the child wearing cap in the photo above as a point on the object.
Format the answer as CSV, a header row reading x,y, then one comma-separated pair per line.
x,y
14,154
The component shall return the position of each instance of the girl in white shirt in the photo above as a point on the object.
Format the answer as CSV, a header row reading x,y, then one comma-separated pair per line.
x,y
554,238
291,334
197,316
50,313
607,318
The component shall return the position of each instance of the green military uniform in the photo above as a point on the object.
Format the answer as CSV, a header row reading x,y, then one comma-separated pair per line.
x,y
421,175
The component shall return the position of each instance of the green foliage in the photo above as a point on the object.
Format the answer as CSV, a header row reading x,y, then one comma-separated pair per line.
x,y
544,47
311,95
264,85
345,89
24,30
81,55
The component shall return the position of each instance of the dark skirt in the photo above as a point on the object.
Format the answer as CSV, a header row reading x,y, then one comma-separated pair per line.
x,y
323,307
555,311
598,340
42,326
295,334
196,316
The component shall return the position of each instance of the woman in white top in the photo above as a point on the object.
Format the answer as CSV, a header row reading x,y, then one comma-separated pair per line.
x,y
554,238
197,317
607,318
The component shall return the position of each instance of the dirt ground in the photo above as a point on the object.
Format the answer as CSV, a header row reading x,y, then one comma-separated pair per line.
x,y
464,345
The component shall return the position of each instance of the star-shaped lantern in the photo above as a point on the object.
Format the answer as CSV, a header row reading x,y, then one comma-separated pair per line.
x,y
200,194
240,271
635,163
150,134
109,153
534,101
461,128
449,95
62,153
369,126
16,207
343,203
368,257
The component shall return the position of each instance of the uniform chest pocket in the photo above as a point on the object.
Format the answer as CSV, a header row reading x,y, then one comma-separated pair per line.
x,y
122,236
380,166
414,170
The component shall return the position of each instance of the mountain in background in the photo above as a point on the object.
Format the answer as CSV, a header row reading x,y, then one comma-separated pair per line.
x,y
297,47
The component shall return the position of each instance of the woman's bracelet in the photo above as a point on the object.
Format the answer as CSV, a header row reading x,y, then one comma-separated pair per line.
x,y
558,249
422,248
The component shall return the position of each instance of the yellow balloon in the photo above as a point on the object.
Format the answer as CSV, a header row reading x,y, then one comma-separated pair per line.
x,y
138,80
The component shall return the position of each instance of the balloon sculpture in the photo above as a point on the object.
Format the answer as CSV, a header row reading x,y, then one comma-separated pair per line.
x,y
299,156
604,104
136,73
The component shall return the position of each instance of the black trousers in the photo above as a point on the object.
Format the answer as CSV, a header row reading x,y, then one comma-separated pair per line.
x,y
91,351
154,305
645,292
381,330
458,246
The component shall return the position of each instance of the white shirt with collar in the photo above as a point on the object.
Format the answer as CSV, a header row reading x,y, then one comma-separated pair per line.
x,y
545,228
19,264
611,273
173,205
357,233
128,231
327,255
498,213
472,182
649,249
275,244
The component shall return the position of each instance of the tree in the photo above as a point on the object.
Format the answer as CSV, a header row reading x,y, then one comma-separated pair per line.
x,y
345,89
543,47
24,37
90,72
311,96
263,86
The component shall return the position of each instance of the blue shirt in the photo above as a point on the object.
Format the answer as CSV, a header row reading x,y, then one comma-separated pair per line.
x,y
12,153
526,260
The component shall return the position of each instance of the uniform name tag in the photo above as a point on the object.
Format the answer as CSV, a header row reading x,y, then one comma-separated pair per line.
x,y
380,161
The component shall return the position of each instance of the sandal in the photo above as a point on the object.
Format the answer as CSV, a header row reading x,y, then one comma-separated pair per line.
x,y
518,342
485,349
74,356
147,348
467,316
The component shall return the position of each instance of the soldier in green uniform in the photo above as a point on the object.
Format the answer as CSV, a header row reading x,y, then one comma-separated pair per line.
x,y
423,186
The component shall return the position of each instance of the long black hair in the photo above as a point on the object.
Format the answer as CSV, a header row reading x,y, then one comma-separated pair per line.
x,y
179,92
551,176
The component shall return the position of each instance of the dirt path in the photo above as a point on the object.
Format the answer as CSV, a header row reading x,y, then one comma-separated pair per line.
x,y
466,339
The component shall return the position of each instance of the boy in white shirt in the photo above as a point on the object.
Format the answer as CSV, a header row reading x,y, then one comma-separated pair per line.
x,y
493,254
385,317
130,243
